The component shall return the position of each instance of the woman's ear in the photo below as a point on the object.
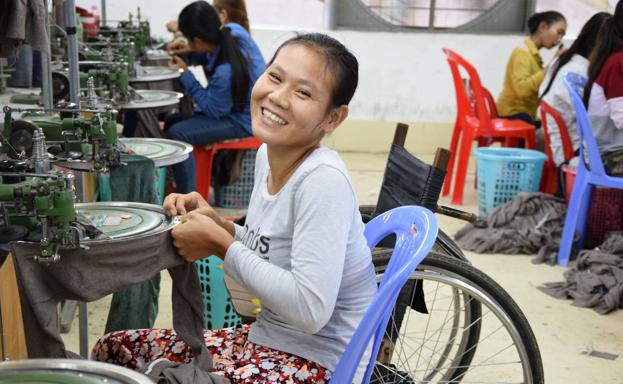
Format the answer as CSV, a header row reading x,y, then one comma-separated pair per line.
x,y
336,117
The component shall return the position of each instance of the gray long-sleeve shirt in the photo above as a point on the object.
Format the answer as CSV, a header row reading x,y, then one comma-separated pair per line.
x,y
303,253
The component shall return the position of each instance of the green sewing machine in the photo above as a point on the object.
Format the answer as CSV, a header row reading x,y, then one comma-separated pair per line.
x,y
40,209
110,81
83,140
36,204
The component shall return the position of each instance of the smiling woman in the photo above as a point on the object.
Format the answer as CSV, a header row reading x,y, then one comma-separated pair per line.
x,y
313,275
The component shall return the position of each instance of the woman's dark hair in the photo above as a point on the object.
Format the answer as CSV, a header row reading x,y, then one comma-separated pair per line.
x,y
583,44
200,20
340,62
236,11
547,17
609,40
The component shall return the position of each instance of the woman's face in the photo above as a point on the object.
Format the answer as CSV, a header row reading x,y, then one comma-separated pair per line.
x,y
290,101
222,15
551,35
199,46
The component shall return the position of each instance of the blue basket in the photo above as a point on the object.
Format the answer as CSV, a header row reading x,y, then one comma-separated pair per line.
x,y
504,172
238,194
219,311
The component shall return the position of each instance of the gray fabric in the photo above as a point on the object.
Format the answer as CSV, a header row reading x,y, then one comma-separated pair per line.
x,y
137,306
22,21
88,275
168,372
530,223
596,281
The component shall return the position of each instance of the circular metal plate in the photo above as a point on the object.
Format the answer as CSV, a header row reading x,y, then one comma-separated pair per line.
x,y
106,43
152,99
162,151
67,371
153,73
76,165
158,54
123,220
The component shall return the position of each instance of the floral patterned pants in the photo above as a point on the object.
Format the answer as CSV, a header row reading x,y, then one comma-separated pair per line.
x,y
233,355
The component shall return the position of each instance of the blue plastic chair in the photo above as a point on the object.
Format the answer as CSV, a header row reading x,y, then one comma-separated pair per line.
x,y
587,176
416,230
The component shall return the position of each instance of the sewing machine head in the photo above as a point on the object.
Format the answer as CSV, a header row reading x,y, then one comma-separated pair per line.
x,y
86,139
40,208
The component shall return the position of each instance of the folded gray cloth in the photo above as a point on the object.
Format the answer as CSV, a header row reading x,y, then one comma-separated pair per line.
x,y
163,371
596,281
104,268
530,223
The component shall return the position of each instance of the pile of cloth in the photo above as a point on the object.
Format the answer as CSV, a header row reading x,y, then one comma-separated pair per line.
x,y
531,223
596,281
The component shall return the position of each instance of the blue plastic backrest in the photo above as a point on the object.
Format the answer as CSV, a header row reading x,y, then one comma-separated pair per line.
x,y
575,85
416,230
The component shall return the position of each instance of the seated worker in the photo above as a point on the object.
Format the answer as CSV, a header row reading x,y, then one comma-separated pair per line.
x,y
604,92
525,71
177,35
232,11
314,275
554,92
232,62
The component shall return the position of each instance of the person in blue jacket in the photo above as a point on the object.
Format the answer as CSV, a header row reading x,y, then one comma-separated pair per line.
x,y
232,62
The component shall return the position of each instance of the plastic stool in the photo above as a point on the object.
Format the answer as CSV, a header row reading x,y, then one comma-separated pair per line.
x,y
204,156
218,310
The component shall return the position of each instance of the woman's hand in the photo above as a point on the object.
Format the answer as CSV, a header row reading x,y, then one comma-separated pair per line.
x,y
178,204
178,63
198,236
178,47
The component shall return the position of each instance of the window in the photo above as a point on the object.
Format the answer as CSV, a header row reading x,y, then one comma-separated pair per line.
x,y
429,13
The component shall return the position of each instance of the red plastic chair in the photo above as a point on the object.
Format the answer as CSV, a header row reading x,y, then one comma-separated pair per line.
x,y
481,123
204,156
549,181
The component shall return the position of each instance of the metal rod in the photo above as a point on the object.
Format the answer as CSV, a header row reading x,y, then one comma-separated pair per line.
x,y
83,329
72,43
330,7
103,20
431,15
46,67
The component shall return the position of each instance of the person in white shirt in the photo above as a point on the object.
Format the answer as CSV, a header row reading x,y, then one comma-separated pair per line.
x,y
603,94
301,251
554,92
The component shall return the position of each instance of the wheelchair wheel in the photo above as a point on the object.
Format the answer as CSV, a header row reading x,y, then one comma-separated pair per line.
x,y
446,246
463,328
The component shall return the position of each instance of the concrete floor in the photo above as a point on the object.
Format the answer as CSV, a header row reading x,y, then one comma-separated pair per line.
x,y
561,329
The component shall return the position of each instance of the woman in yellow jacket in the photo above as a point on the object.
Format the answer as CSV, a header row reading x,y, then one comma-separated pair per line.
x,y
525,71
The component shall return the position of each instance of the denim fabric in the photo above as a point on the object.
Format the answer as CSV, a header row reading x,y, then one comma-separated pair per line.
x,y
22,77
198,130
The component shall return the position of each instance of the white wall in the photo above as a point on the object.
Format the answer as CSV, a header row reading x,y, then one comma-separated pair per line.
x,y
302,13
405,77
